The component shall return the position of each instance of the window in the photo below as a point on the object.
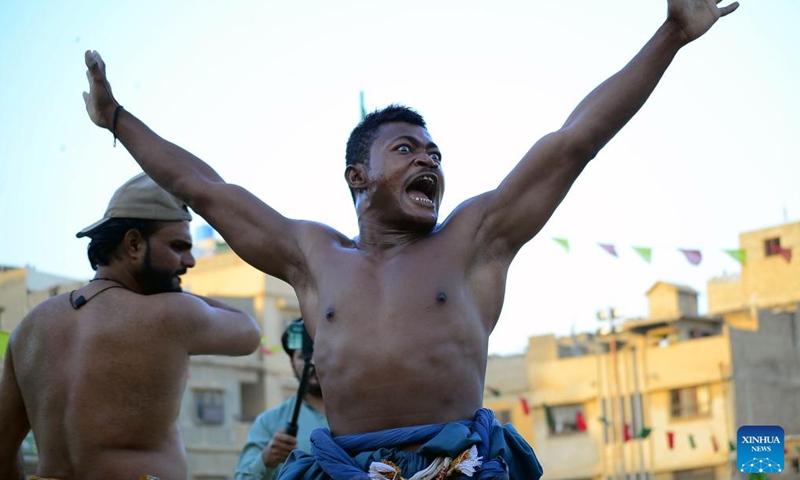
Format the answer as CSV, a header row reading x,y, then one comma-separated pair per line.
x,y
210,406
772,246
690,402
565,419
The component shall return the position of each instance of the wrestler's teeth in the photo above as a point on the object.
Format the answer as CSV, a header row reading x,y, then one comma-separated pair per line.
x,y
423,199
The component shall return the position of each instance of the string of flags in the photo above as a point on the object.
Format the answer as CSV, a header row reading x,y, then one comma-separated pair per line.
x,y
269,350
693,256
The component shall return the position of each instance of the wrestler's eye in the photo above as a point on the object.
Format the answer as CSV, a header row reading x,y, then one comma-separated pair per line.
x,y
404,148
436,157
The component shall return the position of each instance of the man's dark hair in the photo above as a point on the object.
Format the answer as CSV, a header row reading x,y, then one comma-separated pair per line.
x,y
363,136
107,238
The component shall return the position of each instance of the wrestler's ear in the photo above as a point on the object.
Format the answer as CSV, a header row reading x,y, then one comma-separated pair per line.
x,y
356,176
133,244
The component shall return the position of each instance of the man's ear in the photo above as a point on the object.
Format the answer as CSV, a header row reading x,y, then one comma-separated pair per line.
x,y
133,244
356,176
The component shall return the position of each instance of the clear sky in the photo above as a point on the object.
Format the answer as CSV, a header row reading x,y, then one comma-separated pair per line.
x,y
267,92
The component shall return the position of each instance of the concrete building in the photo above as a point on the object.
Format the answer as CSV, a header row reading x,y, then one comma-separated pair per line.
x,y
662,397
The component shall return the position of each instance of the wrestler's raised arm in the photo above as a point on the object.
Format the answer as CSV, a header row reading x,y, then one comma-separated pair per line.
x,y
529,195
260,235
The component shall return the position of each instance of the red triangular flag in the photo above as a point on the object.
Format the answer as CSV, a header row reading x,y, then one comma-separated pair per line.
x,y
525,408
580,422
671,440
626,432
609,248
786,253
714,443
693,256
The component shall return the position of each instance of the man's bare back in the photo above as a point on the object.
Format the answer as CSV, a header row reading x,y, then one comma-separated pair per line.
x,y
98,374
103,386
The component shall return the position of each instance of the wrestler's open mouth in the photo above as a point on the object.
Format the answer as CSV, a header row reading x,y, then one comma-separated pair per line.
x,y
423,189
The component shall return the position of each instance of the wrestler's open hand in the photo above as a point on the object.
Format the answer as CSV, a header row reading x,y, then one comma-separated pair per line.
x,y
100,102
278,449
695,17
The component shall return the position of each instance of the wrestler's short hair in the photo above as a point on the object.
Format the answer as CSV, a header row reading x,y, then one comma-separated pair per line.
x,y
106,238
363,136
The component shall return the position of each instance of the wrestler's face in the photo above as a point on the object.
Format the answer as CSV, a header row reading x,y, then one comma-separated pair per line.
x,y
405,182
168,255
298,364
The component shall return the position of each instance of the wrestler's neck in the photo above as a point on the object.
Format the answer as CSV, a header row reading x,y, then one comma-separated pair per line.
x,y
377,235
118,275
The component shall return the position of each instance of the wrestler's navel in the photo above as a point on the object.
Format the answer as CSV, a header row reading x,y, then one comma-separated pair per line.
x,y
441,298
329,314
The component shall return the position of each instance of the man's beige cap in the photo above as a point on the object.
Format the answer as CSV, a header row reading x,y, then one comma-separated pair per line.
x,y
141,198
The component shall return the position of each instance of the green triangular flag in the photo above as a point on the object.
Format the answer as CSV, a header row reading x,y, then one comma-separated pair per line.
x,y
363,107
738,254
551,422
645,432
691,440
731,446
3,344
563,242
645,252
797,447
757,476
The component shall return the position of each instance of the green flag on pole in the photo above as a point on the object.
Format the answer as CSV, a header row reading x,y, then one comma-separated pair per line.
x,y
363,107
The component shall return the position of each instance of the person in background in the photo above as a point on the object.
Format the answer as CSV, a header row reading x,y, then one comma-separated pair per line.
x,y
98,374
268,445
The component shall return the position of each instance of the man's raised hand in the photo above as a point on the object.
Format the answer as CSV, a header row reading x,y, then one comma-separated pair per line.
x,y
695,17
100,102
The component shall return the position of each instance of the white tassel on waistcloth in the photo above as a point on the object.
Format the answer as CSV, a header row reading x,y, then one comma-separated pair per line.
x,y
466,463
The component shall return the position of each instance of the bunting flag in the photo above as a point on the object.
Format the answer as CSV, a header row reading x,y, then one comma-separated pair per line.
x,y
495,392
551,422
691,440
645,252
3,343
580,422
692,256
626,432
609,248
714,444
525,408
738,254
563,242
363,106
603,420
671,440
645,432
731,446
797,447
786,253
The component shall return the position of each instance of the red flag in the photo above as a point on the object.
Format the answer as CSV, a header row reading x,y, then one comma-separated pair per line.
x,y
626,432
693,256
580,421
714,443
671,440
609,248
525,408
786,253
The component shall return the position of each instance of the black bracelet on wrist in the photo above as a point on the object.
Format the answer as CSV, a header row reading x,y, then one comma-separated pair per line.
x,y
114,124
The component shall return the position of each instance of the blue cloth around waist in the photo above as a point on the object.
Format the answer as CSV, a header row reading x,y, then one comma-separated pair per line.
x,y
506,455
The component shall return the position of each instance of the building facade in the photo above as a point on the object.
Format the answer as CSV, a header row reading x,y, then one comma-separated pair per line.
x,y
662,397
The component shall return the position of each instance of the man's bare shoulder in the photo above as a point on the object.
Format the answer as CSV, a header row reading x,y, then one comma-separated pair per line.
x,y
317,234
